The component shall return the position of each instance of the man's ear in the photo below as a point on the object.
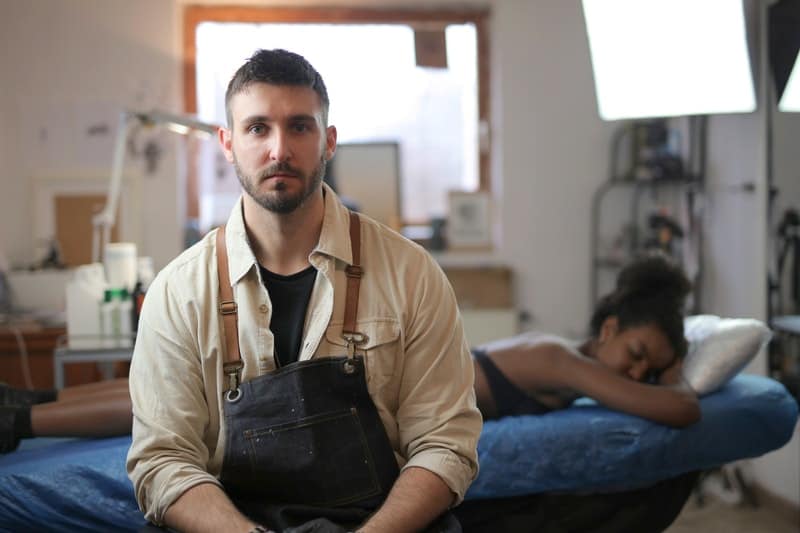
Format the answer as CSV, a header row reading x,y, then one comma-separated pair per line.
x,y
609,328
225,137
330,142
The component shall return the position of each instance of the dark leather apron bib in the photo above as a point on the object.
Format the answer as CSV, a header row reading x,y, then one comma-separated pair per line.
x,y
304,441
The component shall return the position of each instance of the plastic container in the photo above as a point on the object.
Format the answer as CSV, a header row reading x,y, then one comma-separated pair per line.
x,y
116,319
84,294
121,265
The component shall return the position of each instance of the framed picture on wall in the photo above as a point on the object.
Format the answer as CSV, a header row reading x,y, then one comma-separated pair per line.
x,y
468,221
368,176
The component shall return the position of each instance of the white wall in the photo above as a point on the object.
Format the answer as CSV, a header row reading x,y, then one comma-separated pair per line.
x,y
72,65
552,152
12,187
734,280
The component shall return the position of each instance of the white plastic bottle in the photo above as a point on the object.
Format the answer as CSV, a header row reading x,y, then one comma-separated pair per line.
x,y
84,294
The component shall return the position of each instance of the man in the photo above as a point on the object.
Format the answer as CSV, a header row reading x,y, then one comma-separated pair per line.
x,y
310,401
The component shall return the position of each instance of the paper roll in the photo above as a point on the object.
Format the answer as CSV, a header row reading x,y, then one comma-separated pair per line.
x,y
120,263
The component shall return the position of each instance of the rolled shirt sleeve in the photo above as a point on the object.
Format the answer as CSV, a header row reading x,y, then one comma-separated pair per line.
x,y
438,420
169,453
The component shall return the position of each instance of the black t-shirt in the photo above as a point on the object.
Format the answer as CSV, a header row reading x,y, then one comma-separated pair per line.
x,y
290,296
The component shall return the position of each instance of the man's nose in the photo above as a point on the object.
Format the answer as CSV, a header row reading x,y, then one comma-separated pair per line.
x,y
280,149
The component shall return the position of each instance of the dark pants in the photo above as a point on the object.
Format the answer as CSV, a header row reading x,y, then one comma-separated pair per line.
x,y
648,510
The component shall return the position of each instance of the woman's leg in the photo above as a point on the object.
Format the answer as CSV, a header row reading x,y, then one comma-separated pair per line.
x,y
95,410
12,396
101,411
82,391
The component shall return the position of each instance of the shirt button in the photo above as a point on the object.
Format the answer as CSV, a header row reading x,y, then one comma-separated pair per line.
x,y
262,308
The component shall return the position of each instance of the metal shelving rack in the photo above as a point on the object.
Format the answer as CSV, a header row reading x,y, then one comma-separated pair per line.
x,y
690,182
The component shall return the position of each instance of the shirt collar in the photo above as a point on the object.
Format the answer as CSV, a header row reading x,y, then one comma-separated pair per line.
x,y
334,239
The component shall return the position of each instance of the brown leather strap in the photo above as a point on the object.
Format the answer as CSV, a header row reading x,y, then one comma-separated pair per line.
x,y
228,308
353,273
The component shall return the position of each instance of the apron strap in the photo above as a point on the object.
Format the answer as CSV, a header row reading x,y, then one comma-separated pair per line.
x,y
232,365
227,306
354,272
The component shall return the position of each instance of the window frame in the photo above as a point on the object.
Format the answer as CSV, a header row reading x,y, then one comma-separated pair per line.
x,y
195,15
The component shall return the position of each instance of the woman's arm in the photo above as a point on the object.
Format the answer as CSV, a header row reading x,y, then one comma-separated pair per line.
x,y
558,372
672,402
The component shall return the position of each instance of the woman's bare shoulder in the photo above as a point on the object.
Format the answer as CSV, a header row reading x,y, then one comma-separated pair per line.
x,y
537,361
528,341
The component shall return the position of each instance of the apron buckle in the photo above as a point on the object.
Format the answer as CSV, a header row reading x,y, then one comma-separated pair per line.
x,y
232,371
353,339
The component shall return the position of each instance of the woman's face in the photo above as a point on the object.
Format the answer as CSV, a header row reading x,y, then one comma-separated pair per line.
x,y
638,352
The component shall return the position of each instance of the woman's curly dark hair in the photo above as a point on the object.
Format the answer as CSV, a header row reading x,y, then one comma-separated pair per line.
x,y
650,290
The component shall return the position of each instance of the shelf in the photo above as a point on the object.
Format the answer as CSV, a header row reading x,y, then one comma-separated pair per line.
x,y
687,185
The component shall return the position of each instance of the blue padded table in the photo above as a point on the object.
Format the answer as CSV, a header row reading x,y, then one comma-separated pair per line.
x,y
80,484
68,485
591,448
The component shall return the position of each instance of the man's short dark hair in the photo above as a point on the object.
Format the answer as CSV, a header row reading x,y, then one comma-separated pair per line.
x,y
277,67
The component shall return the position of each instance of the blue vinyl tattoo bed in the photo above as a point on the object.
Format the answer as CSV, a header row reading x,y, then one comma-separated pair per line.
x,y
81,485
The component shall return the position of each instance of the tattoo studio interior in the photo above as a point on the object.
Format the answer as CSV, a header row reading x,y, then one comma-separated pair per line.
x,y
441,265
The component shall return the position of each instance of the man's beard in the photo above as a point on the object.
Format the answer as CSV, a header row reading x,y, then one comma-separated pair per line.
x,y
280,201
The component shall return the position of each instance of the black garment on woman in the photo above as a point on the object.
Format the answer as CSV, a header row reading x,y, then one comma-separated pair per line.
x,y
509,399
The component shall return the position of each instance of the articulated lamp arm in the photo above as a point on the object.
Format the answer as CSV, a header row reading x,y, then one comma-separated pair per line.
x,y
104,221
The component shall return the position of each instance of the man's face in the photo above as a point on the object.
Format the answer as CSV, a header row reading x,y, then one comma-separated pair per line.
x,y
278,144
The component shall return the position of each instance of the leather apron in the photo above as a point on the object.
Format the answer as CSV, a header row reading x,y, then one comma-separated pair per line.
x,y
304,441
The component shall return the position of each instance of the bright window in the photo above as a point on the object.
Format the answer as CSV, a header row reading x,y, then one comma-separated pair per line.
x,y
377,94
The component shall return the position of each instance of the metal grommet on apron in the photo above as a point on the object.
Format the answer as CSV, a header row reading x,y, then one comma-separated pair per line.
x,y
304,441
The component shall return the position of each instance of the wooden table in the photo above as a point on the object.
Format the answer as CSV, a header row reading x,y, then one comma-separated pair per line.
x,y
40,343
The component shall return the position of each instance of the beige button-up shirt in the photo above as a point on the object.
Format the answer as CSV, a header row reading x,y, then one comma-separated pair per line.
x,y
419,370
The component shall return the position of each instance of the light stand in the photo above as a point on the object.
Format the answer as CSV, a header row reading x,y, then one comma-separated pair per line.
x,y
104,221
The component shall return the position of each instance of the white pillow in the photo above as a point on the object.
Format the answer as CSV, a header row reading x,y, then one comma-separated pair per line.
x,y
719,348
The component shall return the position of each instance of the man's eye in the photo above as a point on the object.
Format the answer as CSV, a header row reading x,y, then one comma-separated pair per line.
x,y
256,129
300,127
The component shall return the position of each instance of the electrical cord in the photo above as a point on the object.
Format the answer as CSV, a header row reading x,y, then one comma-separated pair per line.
x,y
23,355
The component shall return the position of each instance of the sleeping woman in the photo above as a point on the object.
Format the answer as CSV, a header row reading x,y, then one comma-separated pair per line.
x,y
631,363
